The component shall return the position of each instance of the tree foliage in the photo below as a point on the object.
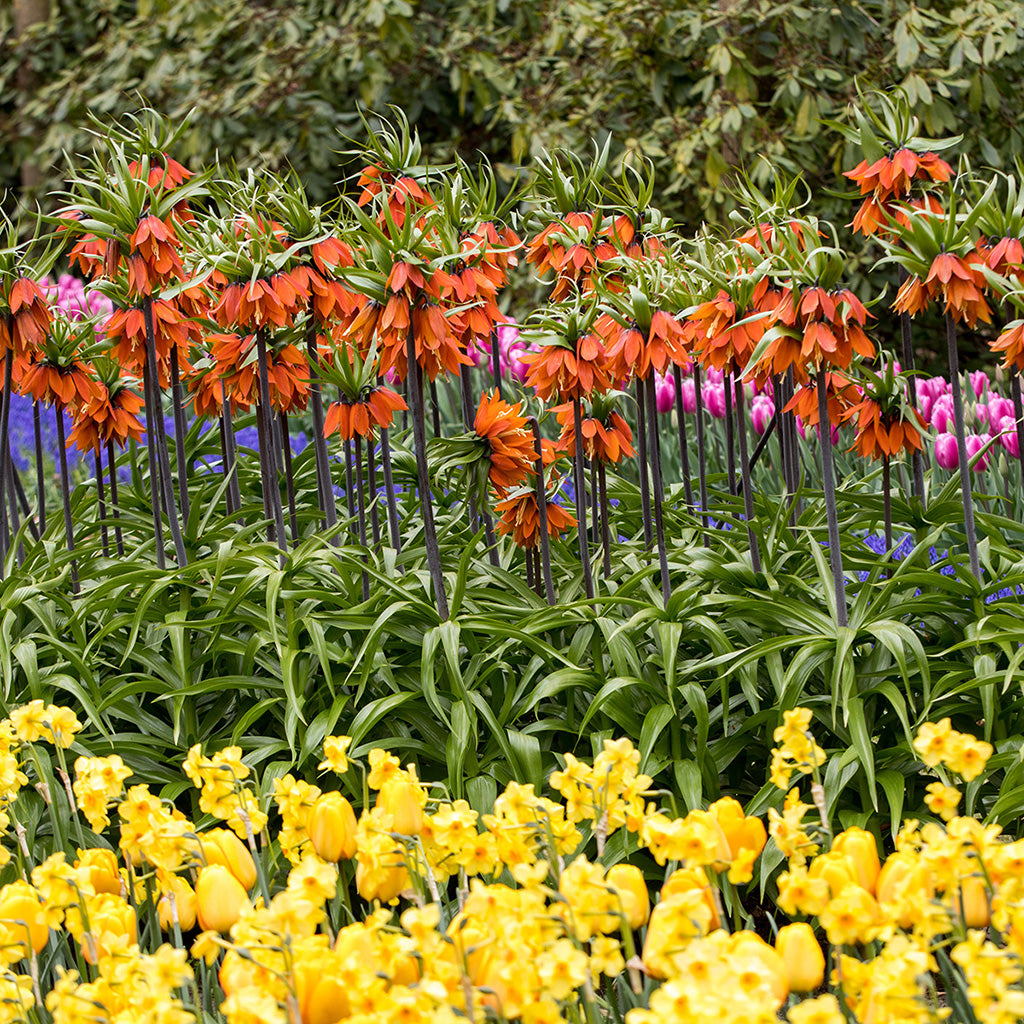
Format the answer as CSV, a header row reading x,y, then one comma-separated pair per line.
x,y
699,87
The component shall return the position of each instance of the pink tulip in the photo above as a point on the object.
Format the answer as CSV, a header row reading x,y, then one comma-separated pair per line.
x,y
1010,441
925,401
714,399
946,454
1000,414
942,413
975,442
979,381
664,393
981,414
689,395
762,409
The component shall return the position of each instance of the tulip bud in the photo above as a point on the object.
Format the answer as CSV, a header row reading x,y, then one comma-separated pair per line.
x,y
221,846
860,848
804,960
220,898
837,869
332,828
111,920
741,832
972,902
683,880
100,867
903,888
401,800
184,906
381,883
21,915
628,881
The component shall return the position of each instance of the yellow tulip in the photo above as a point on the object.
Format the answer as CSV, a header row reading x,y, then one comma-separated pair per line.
x,y
221,846
683,880
972,902
837,869
220,898
628,881
184,907
802,955
332,828
860,848
21,914
401,801
101,870
741,832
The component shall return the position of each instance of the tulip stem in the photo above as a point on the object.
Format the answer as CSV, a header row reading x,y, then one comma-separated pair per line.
x,y
684,447
961,446
828,482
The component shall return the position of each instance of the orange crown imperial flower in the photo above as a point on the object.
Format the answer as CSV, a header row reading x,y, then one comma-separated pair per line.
x,y
607,439
110,417
510,442
631,352
68,385
843,396
520,516
153,261
569,371
882,434
375,408
957,279
30,318
830,325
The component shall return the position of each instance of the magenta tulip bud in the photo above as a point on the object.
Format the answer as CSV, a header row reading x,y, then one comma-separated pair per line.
x,y
945,451
762,409
975,442
714,399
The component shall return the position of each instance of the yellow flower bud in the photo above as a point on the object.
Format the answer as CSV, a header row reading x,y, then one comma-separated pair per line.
x,y
628,881
861,850
322,998
221,846
904,887
401,800
972,902
220,898
111,920
332,828
837,869
802,955
184,907
741,832
101,870
21,914
381,883
683,880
